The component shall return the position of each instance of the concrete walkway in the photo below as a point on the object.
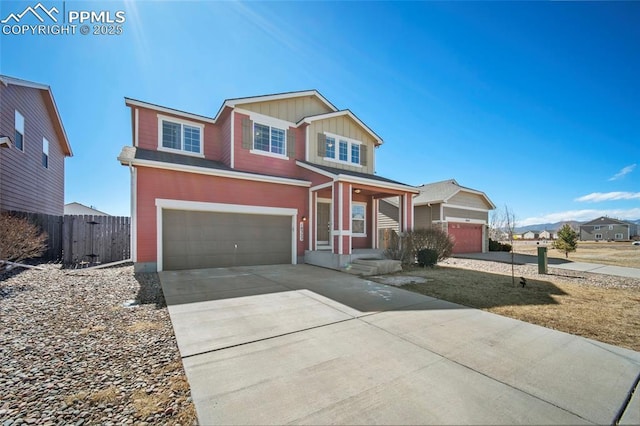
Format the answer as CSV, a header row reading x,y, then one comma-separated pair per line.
x,y
568,265
306,345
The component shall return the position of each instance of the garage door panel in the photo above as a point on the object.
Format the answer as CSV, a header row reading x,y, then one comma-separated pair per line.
x,y
467,238
194,240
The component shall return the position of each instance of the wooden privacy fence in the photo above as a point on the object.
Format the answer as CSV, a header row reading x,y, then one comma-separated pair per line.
x,y
80,239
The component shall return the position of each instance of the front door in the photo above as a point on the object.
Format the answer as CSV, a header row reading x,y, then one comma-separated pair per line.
x,y
323,225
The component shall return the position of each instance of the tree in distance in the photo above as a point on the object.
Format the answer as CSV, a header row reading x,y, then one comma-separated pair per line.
x,y
567,241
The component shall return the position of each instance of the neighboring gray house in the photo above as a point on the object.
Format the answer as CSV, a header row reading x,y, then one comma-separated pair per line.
x,y
33,148
462,212
531,235
80,209
608,229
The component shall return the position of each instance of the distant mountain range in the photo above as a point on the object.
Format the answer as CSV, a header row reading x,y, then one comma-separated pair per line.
x,y
556,226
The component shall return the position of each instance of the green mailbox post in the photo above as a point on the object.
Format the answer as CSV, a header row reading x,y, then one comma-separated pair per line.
x,y
542,260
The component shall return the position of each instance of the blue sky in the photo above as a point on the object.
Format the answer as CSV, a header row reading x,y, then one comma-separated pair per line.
x,y
536,104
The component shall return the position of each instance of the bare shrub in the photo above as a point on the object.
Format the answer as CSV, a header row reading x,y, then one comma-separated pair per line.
x,y
20,239
405,247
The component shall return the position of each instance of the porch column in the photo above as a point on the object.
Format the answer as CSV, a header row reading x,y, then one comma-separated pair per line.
x,y
342,218
405,212
375,206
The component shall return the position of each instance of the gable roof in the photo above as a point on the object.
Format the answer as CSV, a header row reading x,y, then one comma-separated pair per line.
x,y
442,192
51,104
603,220
274,97
342,113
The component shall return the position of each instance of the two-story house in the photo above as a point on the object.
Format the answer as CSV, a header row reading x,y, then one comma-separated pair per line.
x,y
608,229
267,180
33,147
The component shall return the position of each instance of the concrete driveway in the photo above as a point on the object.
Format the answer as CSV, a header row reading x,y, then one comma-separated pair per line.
x,y
306,345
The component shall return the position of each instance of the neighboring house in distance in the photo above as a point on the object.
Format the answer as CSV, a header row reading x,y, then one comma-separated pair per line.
x,y
462,212
272,179
80,209
547,235
531,235
608,229
32,163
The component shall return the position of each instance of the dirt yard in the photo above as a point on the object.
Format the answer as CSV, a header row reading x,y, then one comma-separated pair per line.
x,y
616,254
598,307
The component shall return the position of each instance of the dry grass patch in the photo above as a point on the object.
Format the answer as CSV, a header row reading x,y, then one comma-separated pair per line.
x,y
103,396
147,404
91,330
140,326
73,398
616,254
609,315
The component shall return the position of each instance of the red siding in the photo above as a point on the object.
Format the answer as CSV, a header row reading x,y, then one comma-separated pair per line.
x,y
155,183
246,161
148,133
224,122
25,185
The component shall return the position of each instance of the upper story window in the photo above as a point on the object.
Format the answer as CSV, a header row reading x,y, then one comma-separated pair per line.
x,y
596,228
270,136
269,139
341,149
18,137
45,153
180,136
610,227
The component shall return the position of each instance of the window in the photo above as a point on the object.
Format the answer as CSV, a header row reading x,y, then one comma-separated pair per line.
x,y
598,236
18,137
355,154
344,151
610,227
358,219
331,147
269,139
596,228
45,153
182,136
618,236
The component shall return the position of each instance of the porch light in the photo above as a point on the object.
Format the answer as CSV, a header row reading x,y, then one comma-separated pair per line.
x,y
357,190
304,218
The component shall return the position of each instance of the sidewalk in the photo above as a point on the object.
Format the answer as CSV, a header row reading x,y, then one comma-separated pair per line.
x,y
525,259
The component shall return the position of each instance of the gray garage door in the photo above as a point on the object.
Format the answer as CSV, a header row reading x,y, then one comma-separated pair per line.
x,y
193,240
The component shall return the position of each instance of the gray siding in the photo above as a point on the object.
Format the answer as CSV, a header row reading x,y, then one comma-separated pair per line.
x,y
466,214
25,185
467,199
388,216
588,232
423,217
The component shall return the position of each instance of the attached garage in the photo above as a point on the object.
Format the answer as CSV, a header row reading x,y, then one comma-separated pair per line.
x,y
467,237
192,239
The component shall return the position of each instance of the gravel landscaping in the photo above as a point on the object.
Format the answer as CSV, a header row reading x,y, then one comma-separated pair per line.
x,y
531,271
73,352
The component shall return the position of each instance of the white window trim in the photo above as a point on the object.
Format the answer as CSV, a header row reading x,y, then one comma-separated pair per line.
x,y
45,144
597,236
596,228
253,150
19,118
618,236
356,234
350,142
182,122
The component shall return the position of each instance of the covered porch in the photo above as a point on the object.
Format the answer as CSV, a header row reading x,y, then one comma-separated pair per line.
x,y
343,208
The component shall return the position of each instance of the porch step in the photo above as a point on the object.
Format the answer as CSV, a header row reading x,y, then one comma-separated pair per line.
x,y
367,267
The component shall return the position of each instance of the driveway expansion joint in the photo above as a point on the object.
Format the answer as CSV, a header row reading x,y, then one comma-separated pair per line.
x,y
627,401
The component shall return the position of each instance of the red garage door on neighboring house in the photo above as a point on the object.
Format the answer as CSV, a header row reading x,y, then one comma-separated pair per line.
x,y
467,237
